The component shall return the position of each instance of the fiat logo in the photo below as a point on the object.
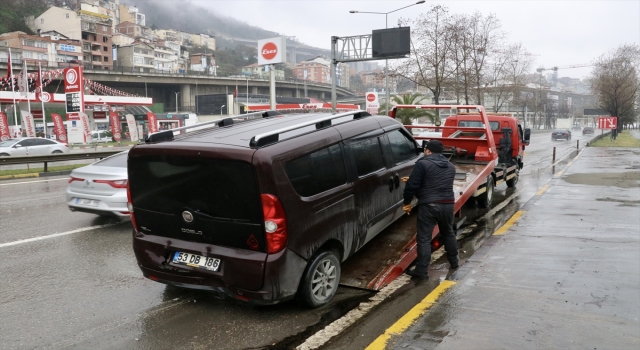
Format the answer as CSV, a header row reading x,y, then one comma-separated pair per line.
x,y
187,216
71,76
269,51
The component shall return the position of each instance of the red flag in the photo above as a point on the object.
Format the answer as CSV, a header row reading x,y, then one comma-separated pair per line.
x,y
4,127
235,93
153,122
115,126
58,128
9,67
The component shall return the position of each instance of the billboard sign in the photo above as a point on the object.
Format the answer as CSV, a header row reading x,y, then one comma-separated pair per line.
x,y
271,51
372,103
607,122
391,43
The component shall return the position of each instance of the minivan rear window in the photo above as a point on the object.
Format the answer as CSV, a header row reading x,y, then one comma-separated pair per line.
x,y
317,172
221,189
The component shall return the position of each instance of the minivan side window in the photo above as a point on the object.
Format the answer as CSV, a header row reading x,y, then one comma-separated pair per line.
x,y
318,171
402,148
367,155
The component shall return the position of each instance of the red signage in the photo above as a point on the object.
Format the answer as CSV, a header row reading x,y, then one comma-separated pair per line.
x,y
115,126
58,128
99,115
153,122
371,97
4,127
607,122
37,114
269,51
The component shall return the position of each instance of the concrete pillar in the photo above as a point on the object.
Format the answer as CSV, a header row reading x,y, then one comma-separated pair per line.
x,y
185,98
254,90
322,95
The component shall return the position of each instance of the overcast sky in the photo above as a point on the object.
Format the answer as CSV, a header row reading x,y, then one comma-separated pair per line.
x,y
559,32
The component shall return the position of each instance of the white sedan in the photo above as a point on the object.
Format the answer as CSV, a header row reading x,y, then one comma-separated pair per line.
x,y
31,146
100,188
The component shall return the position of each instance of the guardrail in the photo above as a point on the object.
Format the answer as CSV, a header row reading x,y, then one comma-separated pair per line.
x,y
55,158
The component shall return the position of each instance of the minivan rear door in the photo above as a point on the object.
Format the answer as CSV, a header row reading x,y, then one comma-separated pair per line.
x,y
196,199
401,158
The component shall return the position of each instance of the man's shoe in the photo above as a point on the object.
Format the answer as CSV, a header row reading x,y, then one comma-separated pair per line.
x,y
454,266
413,273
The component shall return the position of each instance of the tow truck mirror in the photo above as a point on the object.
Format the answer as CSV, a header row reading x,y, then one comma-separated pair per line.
x,y
527,135
438,123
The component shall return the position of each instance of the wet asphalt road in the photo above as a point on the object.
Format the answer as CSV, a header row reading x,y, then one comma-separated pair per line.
x,y
84,290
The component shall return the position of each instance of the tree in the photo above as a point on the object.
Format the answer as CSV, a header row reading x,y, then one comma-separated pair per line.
x,y
356,84
407,115
615,81
428,64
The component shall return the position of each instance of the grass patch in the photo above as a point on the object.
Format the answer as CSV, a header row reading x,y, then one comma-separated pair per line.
x,y
40,170
624,139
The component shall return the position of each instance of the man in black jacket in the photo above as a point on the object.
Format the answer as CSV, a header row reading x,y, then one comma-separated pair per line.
x,y
432,183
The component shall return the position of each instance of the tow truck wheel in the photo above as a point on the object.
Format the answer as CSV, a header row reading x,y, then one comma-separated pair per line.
x,y
484,200
320,280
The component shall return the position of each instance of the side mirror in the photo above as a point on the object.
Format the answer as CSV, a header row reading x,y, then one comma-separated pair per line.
x,y
438,123
527,134
17,146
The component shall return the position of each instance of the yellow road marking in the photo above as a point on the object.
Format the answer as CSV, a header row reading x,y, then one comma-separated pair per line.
x,y
560,172
507,225
543,190
407,320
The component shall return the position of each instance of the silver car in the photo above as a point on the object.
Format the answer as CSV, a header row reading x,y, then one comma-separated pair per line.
x,y
31,146
100,188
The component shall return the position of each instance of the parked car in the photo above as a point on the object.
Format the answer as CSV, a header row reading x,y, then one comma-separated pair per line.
x,y
561,134
587,130
31,146
100,188
100,137
266,209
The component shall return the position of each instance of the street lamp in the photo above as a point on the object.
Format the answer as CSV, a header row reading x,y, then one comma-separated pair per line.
x,y
177,93
145,84
222,108
386,62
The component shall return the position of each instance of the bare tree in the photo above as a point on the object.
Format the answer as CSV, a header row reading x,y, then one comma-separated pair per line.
x,y
430,56
615,81
484,37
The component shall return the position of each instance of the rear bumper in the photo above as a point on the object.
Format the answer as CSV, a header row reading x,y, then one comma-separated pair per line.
x,y
245,275
115,205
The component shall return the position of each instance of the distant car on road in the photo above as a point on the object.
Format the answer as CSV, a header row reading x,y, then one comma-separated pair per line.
x,y
561,134
100,137
100,188
31,146
587,130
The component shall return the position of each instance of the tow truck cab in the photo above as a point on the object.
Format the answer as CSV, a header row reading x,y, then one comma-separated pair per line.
x,y
508,133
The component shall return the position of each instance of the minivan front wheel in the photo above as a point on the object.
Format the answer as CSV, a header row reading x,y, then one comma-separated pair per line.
x,y
320,280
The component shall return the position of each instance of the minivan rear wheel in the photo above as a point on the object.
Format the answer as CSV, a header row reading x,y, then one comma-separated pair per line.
x,y
320,280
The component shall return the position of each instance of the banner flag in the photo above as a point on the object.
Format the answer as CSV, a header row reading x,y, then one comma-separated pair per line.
x,y
86,127
153,122
115,126
133,128
58,128
4,127
28,124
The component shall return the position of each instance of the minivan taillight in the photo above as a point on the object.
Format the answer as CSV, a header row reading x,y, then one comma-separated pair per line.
x,y
275,223
130,207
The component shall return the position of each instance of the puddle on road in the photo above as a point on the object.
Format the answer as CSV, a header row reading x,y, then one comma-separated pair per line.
x,y
623,180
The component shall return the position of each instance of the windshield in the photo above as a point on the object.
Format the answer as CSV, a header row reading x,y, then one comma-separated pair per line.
x,y
8,143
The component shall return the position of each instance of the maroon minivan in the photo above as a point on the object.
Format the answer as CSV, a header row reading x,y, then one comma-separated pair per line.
x,y
264,207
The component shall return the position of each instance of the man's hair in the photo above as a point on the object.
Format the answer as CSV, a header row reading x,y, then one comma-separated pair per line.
x,y
435,146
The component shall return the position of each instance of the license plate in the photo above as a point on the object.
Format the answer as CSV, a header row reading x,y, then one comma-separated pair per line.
x,y
197,261
89,202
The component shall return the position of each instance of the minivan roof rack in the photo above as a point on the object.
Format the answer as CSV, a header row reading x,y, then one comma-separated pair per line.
x,y
166,135
320,123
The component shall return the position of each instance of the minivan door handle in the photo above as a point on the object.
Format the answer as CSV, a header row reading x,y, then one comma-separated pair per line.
x,y
391,184
396,180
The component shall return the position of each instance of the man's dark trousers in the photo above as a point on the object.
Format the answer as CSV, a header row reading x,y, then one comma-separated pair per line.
x,y
428,216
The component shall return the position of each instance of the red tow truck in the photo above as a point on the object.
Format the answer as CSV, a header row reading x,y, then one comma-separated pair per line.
x,y
469,137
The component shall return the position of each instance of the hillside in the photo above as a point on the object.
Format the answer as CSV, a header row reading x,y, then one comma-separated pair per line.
x,y
13,12
196,19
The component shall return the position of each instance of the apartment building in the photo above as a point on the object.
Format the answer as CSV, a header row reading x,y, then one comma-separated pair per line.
x,y
262,72
131,14
137,57
94,30
136,31
49,50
